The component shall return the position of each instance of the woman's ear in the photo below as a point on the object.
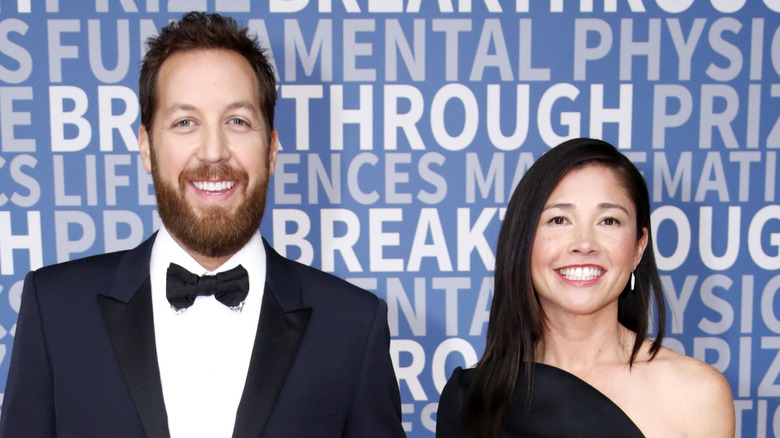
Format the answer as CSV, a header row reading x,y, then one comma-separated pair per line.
x,y
641,244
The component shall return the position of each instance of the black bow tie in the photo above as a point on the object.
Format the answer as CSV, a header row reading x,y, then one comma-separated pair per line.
x,y
229,288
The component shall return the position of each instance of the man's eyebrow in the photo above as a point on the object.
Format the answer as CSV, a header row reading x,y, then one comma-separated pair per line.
x,y
178,107
189,107
242,104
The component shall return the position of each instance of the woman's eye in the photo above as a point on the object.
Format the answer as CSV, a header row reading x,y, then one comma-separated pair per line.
x,y
611,221
558,220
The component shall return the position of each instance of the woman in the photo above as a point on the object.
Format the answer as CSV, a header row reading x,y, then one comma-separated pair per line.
x,y
566,351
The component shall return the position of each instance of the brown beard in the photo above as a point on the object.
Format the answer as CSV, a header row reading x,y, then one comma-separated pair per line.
x,y
216,232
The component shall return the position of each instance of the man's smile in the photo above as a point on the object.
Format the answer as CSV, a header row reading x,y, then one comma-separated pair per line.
x,y
213,186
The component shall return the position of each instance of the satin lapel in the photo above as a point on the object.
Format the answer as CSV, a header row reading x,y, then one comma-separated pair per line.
x,y
281,328
127,312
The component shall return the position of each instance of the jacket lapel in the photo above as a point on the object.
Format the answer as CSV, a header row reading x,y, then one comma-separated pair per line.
x,y
280,330
127,312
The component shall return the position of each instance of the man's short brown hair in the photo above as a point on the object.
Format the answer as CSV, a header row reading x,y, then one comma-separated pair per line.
x,y
197,31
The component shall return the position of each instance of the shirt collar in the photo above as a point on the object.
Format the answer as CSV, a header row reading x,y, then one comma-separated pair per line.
x,y
166,251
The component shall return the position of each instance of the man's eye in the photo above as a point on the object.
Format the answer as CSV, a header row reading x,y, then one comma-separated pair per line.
x,y
183,123
238,122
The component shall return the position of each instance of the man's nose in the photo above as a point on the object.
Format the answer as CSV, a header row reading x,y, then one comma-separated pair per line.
x,y
214,147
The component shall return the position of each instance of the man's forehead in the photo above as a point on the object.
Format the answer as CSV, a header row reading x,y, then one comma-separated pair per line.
x,y
220,60
181,87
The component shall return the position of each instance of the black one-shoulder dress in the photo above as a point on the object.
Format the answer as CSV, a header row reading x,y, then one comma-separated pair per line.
x,y
562,405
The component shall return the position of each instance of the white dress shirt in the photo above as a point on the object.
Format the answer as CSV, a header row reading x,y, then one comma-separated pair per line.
x,y
203,352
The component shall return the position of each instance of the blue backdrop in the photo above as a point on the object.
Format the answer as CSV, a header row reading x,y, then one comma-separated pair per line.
x,y
405,125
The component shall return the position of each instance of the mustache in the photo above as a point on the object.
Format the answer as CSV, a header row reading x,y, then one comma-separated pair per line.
x,y
220,171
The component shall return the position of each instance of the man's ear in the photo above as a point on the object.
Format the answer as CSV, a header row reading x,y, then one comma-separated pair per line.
x,y
273,151
144,147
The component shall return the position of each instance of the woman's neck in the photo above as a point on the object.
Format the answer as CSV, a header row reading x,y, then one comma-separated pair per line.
x,y
580,344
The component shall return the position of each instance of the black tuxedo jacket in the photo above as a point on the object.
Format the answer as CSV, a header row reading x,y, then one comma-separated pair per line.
x,y
84,362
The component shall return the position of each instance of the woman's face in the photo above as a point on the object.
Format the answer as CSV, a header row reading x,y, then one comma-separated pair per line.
x,y
586,245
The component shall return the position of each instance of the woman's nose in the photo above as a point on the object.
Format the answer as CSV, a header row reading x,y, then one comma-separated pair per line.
x,y
584,240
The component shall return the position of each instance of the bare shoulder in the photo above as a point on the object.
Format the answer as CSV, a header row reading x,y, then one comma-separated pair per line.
x,y
696,390
689,373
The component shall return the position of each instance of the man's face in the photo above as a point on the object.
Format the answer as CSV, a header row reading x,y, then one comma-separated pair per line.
x,y
209,151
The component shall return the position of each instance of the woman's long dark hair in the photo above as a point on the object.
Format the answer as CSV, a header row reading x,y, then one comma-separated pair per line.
x,y
516,317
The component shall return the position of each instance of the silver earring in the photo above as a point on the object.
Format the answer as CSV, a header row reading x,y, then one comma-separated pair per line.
x,y
633,280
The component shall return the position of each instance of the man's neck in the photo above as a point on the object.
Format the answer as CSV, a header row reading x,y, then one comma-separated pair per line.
x,y
208,263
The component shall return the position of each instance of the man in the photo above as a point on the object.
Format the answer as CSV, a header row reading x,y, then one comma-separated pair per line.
x,y
131,344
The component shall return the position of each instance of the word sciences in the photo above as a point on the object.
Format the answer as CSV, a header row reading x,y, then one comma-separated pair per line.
x,y
399,178
391,178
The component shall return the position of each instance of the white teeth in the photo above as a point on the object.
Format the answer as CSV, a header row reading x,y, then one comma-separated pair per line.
x,y
214,186
581,274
